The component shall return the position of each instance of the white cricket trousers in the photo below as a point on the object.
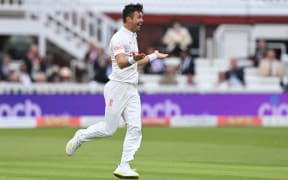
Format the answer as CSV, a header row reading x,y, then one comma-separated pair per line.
x,y
121,99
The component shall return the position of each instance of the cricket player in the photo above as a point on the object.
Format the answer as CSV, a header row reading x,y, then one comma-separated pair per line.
x,y
121,95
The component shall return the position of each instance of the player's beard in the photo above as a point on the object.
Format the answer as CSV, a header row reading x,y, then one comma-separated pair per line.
x,y
138,27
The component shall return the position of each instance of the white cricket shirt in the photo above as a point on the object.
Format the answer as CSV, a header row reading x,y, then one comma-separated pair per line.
x,y
124,41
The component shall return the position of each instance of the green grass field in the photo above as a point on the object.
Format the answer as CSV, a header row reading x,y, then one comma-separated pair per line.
x,y
166,154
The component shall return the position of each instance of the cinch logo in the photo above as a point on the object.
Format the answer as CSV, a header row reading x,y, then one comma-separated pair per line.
x,y
161,109
273,108
28,108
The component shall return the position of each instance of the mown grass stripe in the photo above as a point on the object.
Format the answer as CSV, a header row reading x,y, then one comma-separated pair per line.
x,y
165,154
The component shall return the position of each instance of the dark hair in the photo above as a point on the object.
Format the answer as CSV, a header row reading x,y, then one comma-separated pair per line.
x,y
130,9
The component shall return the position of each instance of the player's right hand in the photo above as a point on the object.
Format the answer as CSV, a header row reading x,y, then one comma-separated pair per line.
x,y
160,55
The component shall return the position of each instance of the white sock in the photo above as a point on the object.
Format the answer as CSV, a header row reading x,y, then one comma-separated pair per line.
x,y
124,164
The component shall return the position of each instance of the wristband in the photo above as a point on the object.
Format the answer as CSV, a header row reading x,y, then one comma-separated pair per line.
x,y
152,57
131,60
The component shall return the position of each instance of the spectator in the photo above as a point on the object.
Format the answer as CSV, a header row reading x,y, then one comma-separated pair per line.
x,y
24,77
235,75
284,78
155,67
222,82
54,76
14,77
40,77
92,53
270,65
284,83
34,62
177,39
284,60
65,74
4,68
80,72
109,67
100,67
98,59
169,77
260,52
187,66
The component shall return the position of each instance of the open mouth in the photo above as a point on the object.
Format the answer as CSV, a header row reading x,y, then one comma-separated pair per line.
x,y
139,25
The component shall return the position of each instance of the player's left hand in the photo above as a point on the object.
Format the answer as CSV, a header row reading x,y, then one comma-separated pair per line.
x,y
138,56
160,55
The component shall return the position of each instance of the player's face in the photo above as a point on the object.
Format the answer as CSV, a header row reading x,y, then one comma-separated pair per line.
x,y
137,21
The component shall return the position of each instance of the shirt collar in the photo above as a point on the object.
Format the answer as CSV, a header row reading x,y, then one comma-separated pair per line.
x,y
128,31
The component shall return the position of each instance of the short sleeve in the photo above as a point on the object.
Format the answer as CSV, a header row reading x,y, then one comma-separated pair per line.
x,y
117,47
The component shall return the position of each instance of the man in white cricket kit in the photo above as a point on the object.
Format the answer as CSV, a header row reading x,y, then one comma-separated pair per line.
x,y
121,94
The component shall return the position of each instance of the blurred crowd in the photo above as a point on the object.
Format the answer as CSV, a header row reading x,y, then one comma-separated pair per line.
x,y
265,60
176,40
96,65
32,68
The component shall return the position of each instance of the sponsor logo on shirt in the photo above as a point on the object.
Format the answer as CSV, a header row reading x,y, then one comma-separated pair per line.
x,y
117,48
110,102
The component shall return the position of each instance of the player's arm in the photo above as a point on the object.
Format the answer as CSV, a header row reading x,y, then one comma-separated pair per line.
x,y
152,57
140,58
124,62
118,51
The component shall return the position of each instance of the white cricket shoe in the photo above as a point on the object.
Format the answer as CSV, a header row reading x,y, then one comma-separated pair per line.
x,y
73,144
126,173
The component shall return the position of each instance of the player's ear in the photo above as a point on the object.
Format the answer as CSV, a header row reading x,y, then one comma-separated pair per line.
x,y
129,18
